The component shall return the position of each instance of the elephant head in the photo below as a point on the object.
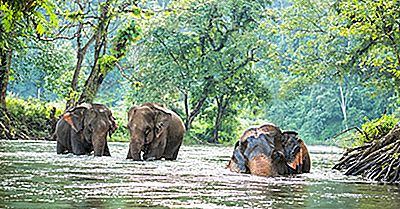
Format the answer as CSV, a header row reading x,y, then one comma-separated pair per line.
x,y
92,123
148,127
262,157
274,132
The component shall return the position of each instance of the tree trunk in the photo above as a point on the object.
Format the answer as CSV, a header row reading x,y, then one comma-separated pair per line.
x,y
97,75
343,105
5,56
92,85
5,61
187,111
81,52
199,104
222,103
95,78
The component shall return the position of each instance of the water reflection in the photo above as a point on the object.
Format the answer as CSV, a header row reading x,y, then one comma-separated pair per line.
x,y
33,176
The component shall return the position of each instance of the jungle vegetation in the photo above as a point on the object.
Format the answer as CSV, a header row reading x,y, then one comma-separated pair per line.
x,y
315,66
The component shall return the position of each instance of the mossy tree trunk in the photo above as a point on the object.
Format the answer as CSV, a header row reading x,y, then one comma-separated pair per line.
x,y
5,56
5,60
97,74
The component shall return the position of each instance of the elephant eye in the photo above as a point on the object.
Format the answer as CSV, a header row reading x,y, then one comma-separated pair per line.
x,y
147,131
90,128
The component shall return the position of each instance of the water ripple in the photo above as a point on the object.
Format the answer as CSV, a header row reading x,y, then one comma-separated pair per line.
x,y
33,176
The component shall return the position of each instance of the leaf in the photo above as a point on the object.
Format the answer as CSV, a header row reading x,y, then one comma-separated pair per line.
x,y
40,29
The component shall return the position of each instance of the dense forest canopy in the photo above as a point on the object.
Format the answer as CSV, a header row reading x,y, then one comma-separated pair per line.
x,y
314,66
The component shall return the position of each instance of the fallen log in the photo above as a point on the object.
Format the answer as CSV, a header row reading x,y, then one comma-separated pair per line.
x,y
378,160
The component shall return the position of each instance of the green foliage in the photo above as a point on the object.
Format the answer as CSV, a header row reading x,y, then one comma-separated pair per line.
x,y
125,36
121,118
106,63
45,67
202,129
324,40
316,112
21,19
376,25
317,56
375,129
30,117
237,63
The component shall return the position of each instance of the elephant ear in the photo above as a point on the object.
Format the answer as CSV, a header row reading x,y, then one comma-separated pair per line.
x,y
75,117
162,120
132,111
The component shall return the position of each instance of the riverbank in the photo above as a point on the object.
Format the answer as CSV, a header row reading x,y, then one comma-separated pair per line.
x,y
28,119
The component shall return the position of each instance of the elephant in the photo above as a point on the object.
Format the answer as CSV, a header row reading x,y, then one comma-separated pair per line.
x,y
267,151
296,152
155,132
83,129
257,155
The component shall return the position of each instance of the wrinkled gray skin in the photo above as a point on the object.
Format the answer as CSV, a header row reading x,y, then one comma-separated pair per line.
x,y
264,145
84,129
155,131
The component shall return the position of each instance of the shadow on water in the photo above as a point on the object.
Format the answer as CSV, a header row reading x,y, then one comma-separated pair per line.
x,y
33,176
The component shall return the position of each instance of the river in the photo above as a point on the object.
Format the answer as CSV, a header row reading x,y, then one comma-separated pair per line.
x,y
32,175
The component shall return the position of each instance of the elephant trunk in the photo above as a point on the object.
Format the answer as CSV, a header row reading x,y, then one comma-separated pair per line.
x,y
135,148
261,165
99,145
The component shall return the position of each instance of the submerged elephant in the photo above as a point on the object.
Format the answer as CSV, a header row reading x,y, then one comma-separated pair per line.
x,y
253,155
155,131
265,151
259,152
84,129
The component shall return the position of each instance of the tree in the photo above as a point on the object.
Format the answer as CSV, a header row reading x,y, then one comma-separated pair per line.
x,y
42,70
20,19
376,25
319,47
315,111
204,53
104,29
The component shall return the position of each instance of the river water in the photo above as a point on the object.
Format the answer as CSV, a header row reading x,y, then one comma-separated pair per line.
x,y
32,175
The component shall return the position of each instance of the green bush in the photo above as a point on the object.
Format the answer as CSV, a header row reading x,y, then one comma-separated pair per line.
x,y
375,129
122,133
30,117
